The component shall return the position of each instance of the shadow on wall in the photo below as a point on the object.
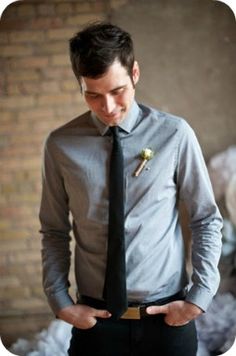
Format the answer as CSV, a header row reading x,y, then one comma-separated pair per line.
x,y
186,50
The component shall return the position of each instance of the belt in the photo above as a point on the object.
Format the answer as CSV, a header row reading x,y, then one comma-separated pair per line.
x,y
135,310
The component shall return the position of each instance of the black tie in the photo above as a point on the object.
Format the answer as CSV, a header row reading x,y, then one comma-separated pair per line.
x,y
115,280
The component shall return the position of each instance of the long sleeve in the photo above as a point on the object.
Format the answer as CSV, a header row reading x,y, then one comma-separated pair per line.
x,y
205,220
55,228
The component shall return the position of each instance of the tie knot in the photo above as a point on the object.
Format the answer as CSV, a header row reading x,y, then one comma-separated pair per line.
x,y
115,131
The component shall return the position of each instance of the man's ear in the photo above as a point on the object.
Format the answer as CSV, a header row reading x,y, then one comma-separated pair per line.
x,y
135,72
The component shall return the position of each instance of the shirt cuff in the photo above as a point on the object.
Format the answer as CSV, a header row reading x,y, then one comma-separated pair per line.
x,y
200,297
59,301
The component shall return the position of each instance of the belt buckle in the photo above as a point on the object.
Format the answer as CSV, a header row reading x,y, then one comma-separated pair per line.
x,y
132,313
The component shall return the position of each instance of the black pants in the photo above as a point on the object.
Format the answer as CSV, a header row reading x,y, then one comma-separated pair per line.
x,y
149,336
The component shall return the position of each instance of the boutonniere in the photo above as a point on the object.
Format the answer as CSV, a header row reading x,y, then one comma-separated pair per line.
x,y
145,155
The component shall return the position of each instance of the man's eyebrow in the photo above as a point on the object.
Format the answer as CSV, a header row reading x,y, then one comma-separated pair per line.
x,y
90,92
119,87
112,90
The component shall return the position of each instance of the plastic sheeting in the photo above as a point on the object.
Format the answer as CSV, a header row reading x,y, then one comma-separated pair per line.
x,y
217,327
51,342
222,167
230,199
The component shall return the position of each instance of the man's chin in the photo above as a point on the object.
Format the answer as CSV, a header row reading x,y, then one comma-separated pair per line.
x,y
113,120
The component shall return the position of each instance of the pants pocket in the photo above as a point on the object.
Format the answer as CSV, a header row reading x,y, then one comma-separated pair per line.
x,y
179,340
83,341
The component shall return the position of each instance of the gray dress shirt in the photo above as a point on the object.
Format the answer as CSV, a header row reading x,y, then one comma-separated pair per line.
x,y
75,181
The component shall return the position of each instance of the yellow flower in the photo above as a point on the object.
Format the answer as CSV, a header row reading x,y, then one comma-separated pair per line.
x,y
146,154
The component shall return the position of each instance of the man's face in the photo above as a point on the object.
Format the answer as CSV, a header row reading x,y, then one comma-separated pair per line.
x,y
111,96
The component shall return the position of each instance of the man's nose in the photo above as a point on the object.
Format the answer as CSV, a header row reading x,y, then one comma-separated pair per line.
x,y
108,104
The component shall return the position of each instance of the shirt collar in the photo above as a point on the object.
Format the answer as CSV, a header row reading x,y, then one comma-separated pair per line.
x,y
127,124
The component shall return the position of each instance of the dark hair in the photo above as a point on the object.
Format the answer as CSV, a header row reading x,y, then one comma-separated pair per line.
x,y
97,46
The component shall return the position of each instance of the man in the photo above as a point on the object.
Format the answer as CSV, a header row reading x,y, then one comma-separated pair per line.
x,y
76,180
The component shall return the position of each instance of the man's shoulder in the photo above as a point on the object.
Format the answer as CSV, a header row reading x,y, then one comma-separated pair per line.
x,y
72,126
163,118
69,131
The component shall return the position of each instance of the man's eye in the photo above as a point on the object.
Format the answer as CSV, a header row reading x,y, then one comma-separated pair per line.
x,y
92,96
118,91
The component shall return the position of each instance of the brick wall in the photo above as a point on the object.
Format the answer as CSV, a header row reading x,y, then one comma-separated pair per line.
x,y
38,93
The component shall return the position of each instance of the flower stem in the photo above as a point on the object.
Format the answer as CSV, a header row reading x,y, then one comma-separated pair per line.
x,y
140,168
